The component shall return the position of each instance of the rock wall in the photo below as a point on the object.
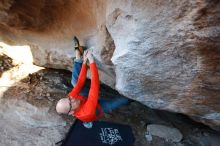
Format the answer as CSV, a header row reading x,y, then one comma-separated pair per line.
x,y
165,54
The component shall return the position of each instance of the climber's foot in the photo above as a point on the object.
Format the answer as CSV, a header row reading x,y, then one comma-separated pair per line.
x,y
77,45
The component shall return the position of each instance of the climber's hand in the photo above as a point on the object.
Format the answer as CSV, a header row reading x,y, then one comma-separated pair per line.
x,y
85,58
90,56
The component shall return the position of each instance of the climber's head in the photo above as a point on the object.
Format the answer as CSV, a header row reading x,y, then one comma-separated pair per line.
x,y
67,105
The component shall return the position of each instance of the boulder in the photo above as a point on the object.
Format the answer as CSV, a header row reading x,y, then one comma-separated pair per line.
x,y
164,54
162,131
25,124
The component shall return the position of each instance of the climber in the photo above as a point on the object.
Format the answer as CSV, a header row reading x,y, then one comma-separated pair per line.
x,y
76,104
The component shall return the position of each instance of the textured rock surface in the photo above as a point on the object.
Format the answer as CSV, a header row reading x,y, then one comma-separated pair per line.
x,y
44,128
165,132
27,116
164,54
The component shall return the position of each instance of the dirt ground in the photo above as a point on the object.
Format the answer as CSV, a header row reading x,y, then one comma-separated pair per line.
x,y
28,95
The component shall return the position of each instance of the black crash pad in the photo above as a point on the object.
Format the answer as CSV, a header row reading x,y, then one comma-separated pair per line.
x,y
101,134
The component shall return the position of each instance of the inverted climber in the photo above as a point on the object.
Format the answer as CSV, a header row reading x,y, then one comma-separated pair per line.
x,y
82,102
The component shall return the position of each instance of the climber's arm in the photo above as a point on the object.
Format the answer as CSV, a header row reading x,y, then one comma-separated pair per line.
x,y
80,83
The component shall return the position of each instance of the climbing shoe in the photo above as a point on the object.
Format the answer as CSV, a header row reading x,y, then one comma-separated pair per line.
x,y
77,45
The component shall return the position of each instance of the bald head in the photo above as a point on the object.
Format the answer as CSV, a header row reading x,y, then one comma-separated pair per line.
x,y
63,106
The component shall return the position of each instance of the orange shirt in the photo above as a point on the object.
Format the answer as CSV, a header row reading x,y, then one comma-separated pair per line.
x,y
87,110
